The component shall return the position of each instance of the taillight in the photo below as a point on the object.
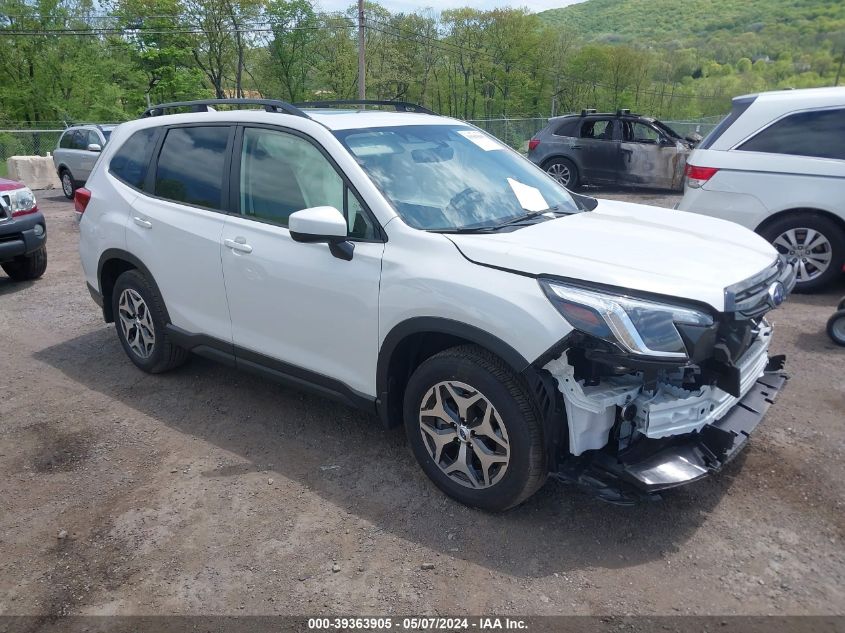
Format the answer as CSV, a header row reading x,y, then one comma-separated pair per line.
x,y
81,198
697,176
532,144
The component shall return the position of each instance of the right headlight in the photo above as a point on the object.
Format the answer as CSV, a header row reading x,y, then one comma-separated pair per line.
x,y
640,327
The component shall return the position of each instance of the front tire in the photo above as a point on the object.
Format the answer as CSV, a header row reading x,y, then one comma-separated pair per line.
x,y
474,430
564,171
27,267
140,319
836,327
68,186
816,243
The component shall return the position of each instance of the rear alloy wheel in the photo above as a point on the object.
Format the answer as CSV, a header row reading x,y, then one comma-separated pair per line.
x,y
68,188
814,243
564,171
474,430
140,318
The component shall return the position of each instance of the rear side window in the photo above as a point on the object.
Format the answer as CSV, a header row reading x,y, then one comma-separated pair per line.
x,y
820,134
190,166
601,130
565,129
129,163
66,141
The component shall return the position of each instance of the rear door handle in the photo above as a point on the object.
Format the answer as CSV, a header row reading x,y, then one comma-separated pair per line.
x,y
576,146
238,244
144,224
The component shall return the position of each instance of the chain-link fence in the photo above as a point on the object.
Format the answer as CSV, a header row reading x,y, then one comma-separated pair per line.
x,y
514,132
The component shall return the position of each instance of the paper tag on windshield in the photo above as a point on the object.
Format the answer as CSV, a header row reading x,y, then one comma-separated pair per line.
x,y
529,197
481,139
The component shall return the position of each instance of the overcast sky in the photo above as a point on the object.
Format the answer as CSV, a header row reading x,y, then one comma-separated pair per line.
x,y
439,5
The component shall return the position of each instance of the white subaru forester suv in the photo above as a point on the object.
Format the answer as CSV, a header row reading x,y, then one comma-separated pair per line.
x,y
411,265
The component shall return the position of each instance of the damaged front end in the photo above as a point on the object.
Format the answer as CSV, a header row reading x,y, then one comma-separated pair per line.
x,y
657,395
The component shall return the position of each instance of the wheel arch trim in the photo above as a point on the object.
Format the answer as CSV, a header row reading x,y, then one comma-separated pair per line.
x,y
434,325
779,215
112,254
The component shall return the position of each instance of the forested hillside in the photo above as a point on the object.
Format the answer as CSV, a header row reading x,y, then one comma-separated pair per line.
x,y
72,60
728,29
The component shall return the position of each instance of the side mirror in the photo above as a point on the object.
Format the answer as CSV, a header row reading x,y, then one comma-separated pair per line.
x,y
322,224
94,147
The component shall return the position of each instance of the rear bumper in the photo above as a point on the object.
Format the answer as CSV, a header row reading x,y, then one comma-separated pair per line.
x,y
18,236
655,465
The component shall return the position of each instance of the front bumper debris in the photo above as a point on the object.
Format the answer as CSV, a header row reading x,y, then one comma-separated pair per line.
x,y
652,466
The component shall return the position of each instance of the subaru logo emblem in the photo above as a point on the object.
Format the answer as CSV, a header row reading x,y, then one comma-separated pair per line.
x,y
776,294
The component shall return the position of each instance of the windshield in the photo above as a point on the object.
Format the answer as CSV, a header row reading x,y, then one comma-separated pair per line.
x,y
453,177
669,131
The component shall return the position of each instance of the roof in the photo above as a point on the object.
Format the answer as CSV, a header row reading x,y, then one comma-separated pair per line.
x,y
350,119
811,96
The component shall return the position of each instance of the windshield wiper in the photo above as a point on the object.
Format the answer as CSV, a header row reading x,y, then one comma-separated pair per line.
x,y
530,215
492,228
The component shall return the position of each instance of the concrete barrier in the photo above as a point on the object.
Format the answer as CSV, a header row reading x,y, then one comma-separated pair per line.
x,y
36,172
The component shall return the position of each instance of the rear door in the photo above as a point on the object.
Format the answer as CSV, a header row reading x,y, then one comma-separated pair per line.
x,y
175,227
86,158
649,158
598,147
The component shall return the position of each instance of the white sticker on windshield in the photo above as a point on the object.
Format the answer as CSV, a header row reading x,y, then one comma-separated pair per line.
x,y
481,139
529,197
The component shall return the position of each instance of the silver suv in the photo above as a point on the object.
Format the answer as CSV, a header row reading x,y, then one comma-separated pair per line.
x,y
76,153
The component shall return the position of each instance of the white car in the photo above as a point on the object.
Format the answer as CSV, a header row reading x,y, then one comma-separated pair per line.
x,y
776,165
413,266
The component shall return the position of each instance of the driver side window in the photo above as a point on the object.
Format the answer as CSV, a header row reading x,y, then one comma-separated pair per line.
x,y
282,173
641,133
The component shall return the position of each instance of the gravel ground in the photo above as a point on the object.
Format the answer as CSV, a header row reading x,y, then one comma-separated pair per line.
x,y
206,491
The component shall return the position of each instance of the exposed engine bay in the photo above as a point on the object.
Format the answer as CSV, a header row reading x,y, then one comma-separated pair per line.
x,y
608,402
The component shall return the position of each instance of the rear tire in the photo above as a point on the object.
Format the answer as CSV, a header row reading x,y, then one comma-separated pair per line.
x,y
836,327
140,319
816,242
481,441
27,267
563,171
68,185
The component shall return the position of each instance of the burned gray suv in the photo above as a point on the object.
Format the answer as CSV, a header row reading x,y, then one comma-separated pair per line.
x,y
611,149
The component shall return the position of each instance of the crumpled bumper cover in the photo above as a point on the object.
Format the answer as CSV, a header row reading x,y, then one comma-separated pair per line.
x,y
656,465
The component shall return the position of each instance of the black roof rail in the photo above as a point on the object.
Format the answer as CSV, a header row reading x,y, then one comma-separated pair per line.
x,y
270,105
587,111
400,106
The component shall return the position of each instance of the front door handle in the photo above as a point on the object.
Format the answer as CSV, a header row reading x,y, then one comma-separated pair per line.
x,y
144,224
576,147
238,244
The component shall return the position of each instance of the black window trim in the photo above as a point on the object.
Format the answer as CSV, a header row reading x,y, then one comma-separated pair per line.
x,y
235,179
152,168
156,138
738,146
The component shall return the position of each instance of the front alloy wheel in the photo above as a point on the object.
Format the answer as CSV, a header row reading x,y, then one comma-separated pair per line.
x,y
67,185
474,428
464,434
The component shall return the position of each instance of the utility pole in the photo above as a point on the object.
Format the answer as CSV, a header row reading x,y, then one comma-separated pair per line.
x,y
362,69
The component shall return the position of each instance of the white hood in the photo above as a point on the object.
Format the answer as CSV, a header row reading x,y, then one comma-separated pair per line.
x,y
631,246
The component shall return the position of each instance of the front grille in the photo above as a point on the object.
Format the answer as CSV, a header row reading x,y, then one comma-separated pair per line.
x,y
751,298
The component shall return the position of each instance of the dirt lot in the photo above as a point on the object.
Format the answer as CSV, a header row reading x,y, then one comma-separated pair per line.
x,y
206,491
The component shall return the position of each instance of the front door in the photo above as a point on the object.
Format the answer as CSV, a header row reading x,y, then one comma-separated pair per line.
x,y
296,307
649,159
